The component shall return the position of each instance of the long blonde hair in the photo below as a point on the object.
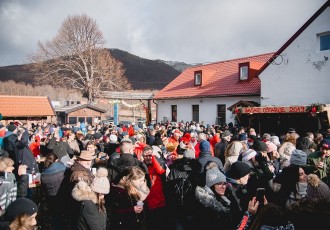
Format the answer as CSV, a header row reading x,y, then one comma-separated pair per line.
x,y
21,223
127,182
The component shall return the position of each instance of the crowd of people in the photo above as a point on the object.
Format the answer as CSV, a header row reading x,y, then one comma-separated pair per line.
x,y
164,176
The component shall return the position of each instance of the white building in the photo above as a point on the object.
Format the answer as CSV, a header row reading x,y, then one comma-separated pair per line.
x,y
204,92
300,72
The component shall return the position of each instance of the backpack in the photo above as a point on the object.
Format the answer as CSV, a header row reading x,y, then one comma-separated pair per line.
x,y
183,190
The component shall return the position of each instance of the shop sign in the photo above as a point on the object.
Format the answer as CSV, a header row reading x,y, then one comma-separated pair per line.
x,y
275,109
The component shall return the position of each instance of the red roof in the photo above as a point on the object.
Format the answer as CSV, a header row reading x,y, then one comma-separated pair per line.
x,y
218,79
25,106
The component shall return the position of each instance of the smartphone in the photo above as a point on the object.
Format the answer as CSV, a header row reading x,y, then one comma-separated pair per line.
x,y
260,195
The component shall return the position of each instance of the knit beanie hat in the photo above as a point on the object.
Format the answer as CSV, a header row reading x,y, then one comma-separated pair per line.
x,y
298,157
101,182
238,170
248,154
213,175
260,146
19,207
204,146
317,190
113,138
242,137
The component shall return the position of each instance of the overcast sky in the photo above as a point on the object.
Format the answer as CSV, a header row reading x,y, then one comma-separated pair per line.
x,y
192,31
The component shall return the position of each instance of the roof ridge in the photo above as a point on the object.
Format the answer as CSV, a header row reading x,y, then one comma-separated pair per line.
x,y
230,60
23,96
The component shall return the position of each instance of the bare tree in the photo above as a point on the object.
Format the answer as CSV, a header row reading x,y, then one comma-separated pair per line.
x,y
76,58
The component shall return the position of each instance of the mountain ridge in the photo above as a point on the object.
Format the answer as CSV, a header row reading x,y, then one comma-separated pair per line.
x,y
142,73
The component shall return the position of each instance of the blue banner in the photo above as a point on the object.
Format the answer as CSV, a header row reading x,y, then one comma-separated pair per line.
x,y
115,113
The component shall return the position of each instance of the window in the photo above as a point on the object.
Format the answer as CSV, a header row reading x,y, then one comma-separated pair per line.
x,y
198,78
174,113
89,120
324,42
221,116
81,119
244,72
72,120
195,113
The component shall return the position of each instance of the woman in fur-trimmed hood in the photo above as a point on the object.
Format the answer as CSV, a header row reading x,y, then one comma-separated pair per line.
x,y
92,212
216,205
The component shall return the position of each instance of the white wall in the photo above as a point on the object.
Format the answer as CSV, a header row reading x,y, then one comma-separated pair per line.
x,y
303,76
207,108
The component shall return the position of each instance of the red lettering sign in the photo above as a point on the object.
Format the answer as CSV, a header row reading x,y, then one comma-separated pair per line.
x,y
279,109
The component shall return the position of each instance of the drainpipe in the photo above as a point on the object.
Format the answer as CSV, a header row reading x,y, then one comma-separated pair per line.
x,y
156,110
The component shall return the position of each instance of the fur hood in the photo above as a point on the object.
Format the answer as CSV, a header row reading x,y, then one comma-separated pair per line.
x,y
82,191
206,197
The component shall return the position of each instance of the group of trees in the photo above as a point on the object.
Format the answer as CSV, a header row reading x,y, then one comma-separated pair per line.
x,y
76,58
23,89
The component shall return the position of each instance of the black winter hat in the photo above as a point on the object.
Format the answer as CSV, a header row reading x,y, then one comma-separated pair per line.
x,y
97,136
260,146
19,207
238,170
158,141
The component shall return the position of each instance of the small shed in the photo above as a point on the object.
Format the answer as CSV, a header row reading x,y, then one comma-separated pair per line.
x,y
79,113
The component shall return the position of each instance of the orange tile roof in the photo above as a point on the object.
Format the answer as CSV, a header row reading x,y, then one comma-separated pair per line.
x,y
219,79
25,106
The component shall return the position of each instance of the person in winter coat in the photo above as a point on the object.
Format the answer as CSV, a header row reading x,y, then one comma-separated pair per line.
x,y
92,212
234,149
59,147
238,176
126,201
180,190
8,185
205,156
291,183
269,217
80,171
20,215
17,147
215,204
51,180
220,147
313,211
320,161
117,167
155,202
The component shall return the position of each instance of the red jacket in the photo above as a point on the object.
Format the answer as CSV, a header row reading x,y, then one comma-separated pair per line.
x,y
35,146
156,198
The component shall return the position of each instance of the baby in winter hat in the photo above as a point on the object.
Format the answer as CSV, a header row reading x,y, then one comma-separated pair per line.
x,y
101,182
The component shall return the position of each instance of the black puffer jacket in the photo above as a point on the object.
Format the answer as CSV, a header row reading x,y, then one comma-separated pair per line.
x,y
214,211
52,178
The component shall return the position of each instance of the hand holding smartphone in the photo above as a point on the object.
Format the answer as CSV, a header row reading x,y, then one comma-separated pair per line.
x,y
260,196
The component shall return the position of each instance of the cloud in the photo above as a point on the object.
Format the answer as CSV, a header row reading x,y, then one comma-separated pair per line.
x,y
192,31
